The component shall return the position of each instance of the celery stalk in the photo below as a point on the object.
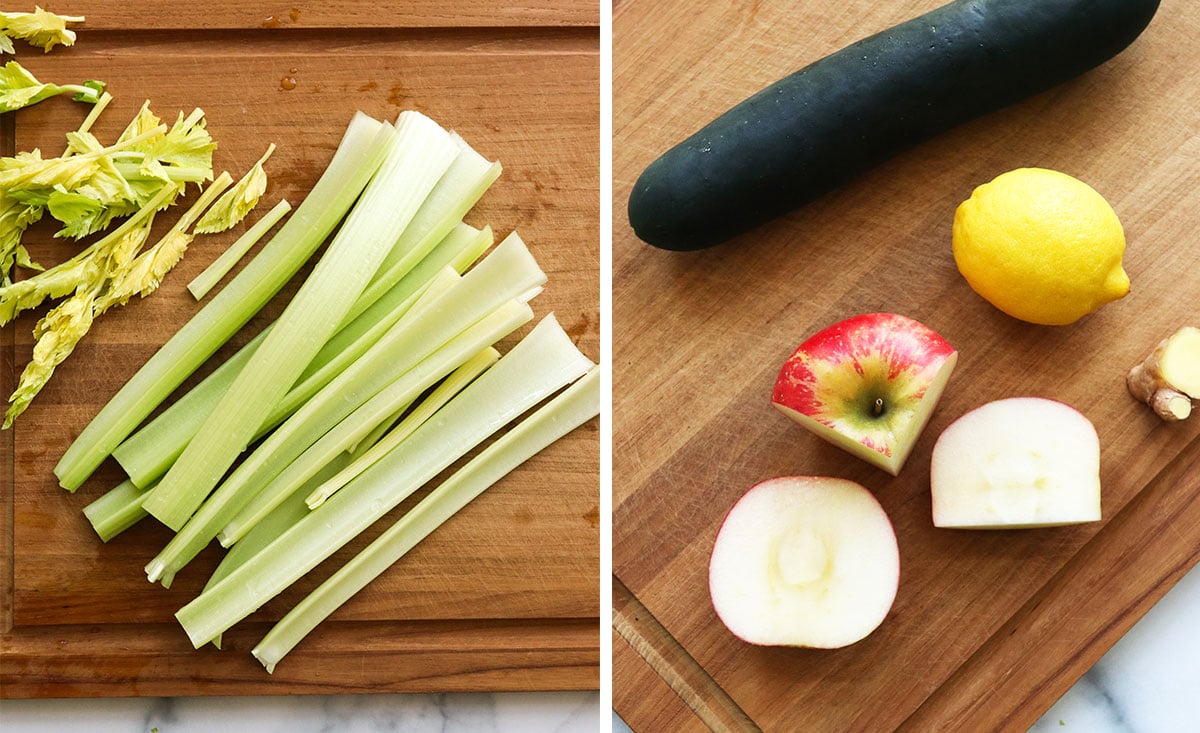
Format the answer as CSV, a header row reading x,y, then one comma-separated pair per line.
x,y
508,273
232,494
468,177
116,510
381,407
147,454
359,154
574,406
389,439
279,520
542,363
420,153
206,280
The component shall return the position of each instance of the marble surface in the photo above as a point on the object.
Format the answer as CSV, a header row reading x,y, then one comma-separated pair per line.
x,y
1149,682
535,712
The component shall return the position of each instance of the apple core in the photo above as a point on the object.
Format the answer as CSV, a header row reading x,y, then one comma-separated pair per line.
x,y
801,557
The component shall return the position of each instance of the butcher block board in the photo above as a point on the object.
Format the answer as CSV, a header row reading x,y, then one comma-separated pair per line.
x,y
988,628
505,595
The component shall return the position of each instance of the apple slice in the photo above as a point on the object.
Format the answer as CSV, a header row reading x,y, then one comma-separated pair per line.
x,y
1014,463
867,384
804,561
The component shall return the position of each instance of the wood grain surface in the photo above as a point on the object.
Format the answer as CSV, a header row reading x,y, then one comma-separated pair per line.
x,y
504,597
988,628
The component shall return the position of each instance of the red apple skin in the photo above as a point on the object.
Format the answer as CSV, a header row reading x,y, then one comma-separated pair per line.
x,y
875,351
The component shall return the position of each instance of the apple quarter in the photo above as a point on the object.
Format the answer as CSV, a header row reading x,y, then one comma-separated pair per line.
x,y
867,384
804,561
1016,463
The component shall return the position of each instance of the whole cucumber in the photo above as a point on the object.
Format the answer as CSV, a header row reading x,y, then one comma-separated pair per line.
x,y
827,123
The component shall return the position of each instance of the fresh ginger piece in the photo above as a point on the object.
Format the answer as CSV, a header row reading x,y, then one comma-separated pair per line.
x,y
1169,378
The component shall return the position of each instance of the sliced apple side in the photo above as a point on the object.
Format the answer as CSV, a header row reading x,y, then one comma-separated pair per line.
x,y
1016,463
867,384
804,561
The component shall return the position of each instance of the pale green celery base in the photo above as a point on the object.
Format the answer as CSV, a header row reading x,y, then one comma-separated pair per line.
x,y
420,153
543,362
147,454
456,382
355,161
116,510
250,477
378,408
218,268
467,179
573,407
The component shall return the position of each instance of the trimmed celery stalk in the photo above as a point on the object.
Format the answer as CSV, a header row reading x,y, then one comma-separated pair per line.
x,y
117,510
359,154
420,153
383,443
573,407
206,280
381,407
241,485
509,272
464,183
147,454
541,364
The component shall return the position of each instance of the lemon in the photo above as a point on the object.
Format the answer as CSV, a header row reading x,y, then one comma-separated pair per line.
x,y
1041,246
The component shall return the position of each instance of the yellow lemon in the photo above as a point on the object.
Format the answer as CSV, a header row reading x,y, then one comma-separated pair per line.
x,y
1040,246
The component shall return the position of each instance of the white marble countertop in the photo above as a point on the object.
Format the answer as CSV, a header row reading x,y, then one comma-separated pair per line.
x,y
1149,682
563,712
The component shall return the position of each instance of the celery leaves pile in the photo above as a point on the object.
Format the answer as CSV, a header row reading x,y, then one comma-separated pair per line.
x,y
40,28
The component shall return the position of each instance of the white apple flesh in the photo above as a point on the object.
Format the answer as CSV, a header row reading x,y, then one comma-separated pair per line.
x,y
1016,463
867,384
804,561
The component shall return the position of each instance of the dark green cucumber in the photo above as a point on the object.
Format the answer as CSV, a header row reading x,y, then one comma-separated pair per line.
x,y
829,122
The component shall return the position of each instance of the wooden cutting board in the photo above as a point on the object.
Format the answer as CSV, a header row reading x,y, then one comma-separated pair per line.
x,y
504,597
989,628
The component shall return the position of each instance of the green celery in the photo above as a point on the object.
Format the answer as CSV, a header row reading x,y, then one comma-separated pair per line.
x,y
233,493
573,407
419,154
374,411
464,183
148,453
206,280
539,365
449,387
359,154
509,272
117,510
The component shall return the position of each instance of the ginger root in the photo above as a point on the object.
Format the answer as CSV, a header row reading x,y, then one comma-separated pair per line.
x,y
1169,378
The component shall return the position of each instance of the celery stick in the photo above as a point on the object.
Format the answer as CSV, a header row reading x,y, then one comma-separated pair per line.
x,y
279,520
508,273
450,386
374,411
359,154
117,510
221,266
147,454
464,183
573,407
420,153
542,363
240,486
